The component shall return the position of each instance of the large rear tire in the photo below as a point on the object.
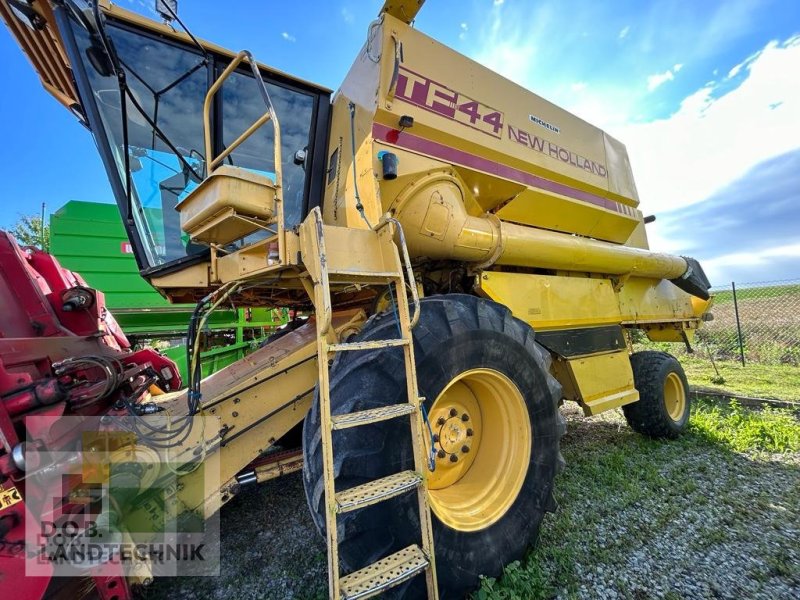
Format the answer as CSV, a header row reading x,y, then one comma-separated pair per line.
x,y
494,407
663,408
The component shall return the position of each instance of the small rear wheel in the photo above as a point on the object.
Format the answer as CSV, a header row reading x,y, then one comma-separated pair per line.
x,y
664,405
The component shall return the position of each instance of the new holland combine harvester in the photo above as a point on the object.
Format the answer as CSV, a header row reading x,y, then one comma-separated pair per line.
x,y
470,254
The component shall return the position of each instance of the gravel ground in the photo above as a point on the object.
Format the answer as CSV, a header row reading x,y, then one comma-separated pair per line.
x,y
719,525
270,550
638,519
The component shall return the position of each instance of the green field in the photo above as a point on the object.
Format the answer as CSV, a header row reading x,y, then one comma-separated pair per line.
x,y
789,292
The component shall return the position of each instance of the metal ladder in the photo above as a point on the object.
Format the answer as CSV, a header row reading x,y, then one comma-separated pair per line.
x,y
368,257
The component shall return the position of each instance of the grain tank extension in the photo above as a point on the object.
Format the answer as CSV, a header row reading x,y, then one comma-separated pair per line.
x,y
470,256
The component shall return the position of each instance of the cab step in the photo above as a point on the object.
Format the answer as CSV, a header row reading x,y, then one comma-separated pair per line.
x,y
372,415
376,491
384,574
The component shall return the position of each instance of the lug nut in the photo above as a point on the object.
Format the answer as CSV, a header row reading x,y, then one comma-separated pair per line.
x,y
470,433
435,437
465,417
464,449
453,412
441,453
453,458
440,421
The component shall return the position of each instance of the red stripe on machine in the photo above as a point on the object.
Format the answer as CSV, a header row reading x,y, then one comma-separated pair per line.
x,y
455,156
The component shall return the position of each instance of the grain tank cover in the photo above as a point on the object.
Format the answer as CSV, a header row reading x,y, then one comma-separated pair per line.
x,y
563,173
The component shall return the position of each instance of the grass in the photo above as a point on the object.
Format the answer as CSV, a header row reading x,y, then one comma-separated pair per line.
x,y
613,473
768,430
760,381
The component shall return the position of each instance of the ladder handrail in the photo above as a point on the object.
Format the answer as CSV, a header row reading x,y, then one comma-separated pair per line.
x,y
269,115
409,274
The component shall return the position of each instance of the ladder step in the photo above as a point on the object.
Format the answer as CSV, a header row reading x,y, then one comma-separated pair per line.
x,y
372,415
384,574
366,277
376,491
373,345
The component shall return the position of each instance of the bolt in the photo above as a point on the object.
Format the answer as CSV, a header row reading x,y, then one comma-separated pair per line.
x,y
440,421
453,458
453,412
470,433
235,414
441,453
435,437
464,449
465,417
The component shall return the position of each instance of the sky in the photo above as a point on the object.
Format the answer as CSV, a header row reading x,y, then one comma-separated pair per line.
x,y
705,95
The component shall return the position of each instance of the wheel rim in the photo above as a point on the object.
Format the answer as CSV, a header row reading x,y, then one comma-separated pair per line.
x,y
674,396
481,419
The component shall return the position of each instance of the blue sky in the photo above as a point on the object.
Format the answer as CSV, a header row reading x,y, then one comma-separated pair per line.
x,y
706,96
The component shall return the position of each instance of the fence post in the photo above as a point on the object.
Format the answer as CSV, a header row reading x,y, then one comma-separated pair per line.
x,y
738,322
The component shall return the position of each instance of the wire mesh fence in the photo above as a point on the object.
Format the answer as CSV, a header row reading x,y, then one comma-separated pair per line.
x,y
756,322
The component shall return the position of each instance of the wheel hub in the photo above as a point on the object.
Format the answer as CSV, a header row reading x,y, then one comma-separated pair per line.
x,y
455,435
482,440
674,396
454,422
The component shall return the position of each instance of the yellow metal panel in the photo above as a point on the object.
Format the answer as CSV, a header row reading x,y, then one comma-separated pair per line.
x,y
556,302
357,250
620,174
554,211
551,302
643,300
603,381
669,332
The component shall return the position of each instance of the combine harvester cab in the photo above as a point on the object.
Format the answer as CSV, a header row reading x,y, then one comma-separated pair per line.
x,y
472,256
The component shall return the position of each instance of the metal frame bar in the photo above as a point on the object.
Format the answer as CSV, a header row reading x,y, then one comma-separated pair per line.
x,y
267,116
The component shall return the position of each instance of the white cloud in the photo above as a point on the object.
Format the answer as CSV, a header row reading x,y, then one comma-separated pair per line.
x,y
497,2
508,48
578,86
654,81
719,268
714,139
624,32
749,60
288,37
347,15
464,28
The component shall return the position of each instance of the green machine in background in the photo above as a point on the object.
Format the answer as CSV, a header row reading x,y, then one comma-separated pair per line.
x,y
89,238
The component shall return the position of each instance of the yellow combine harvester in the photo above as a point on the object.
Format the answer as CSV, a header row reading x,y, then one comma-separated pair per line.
x,y
432,216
